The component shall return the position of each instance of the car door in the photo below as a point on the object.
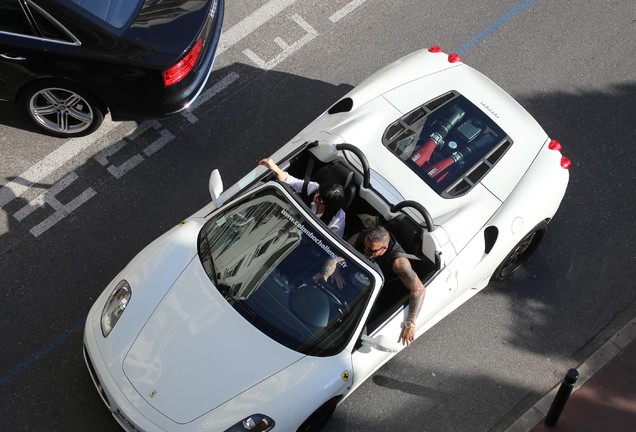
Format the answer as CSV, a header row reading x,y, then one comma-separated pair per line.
x,y
381,339
19,48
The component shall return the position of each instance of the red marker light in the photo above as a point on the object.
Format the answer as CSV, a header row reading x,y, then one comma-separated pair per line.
x,y
454,58
565,163
435,49
555,145
179,71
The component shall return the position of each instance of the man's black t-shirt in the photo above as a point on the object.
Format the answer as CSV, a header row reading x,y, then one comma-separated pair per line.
x,y
384,261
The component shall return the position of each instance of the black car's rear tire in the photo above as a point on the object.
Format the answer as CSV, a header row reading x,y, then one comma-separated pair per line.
x,y
319,418
521,252
62,109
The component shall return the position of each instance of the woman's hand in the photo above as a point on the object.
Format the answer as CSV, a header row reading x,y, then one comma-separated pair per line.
x,y
271,165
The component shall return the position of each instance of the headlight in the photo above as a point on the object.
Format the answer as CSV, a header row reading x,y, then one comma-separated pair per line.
x,y
253,423
115,305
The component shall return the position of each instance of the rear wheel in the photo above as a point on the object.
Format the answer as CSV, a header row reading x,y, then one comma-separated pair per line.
x,y
62,109
521,252
319,418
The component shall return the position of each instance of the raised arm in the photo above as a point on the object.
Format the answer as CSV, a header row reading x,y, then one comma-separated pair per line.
x,y
271,165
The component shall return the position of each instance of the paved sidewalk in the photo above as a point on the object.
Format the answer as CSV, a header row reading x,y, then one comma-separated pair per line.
x,y
604,396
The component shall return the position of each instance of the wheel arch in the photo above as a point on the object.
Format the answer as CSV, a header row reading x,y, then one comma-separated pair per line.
x,y
328,407
50,80
519,254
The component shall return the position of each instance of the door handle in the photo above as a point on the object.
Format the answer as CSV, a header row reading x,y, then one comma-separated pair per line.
x,y
11,57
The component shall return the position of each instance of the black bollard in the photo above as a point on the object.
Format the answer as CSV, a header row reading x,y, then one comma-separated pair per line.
x,y
561,398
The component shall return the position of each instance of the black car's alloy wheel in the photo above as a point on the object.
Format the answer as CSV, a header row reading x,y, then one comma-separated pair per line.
x,y
62,109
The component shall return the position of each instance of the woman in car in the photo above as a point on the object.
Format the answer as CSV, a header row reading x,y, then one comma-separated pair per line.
x,y
328,199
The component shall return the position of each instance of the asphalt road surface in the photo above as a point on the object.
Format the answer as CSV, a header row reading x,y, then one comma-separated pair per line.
x,y
74,212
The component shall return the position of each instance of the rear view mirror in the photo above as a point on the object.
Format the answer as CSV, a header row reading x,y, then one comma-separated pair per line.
x,y
382,343
215,186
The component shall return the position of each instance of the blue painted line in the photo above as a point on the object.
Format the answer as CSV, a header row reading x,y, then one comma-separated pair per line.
x,y
67,334
39,354
483,34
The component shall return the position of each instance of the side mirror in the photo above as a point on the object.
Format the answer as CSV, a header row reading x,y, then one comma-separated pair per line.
x,y
215,185
382,343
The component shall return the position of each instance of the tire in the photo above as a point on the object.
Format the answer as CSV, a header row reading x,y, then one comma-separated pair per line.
x,y
62,109
319,418
520,253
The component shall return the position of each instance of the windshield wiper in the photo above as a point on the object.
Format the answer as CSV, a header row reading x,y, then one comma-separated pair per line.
x,y
207,254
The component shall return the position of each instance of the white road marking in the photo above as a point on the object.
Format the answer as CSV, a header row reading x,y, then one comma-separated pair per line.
x,y
51,163
61,210
209,94
164,139
345,10
281,43
287,49
249,24
143,127
118,171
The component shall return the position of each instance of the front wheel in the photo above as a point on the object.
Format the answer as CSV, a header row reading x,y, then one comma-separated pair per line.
x,y
63,109
319,418
521,252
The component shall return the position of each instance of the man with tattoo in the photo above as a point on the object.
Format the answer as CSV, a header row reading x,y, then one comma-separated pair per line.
x,y
380,246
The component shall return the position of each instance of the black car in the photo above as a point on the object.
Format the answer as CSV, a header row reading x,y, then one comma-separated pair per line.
x,y
68,62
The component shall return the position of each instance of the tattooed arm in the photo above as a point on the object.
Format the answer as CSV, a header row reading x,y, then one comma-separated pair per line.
x,y
402,268
331,269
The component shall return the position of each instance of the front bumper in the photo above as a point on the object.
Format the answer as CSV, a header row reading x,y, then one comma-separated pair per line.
x,y
118,395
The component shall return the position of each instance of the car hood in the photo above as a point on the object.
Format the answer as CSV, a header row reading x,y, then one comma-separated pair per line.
x,y
196,352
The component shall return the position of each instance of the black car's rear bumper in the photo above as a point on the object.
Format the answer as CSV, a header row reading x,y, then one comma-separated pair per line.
x,y
178,97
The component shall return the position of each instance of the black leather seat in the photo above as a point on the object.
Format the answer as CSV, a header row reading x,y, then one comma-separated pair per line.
x,y
339,173
407,233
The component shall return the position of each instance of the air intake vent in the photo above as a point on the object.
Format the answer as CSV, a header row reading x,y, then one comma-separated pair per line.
x,y
490,237
344,105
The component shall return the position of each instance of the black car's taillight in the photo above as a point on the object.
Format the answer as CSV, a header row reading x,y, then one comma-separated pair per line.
x,y
179,71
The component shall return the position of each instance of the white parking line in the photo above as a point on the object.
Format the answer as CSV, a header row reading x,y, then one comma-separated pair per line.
x,y
249,24
51,163
208,94
345,10
288,50
61,210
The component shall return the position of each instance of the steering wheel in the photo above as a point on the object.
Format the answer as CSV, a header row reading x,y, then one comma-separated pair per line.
x,y
341,304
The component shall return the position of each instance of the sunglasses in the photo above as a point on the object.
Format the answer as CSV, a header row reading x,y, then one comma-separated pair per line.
x,y
372,251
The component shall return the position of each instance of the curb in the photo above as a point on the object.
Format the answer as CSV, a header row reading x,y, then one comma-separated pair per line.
x,y
610,349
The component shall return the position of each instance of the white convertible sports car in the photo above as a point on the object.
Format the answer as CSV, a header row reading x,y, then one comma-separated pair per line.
x,y
218,324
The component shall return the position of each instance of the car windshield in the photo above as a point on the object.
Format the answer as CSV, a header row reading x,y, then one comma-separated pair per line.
x,y
115,12
263,255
